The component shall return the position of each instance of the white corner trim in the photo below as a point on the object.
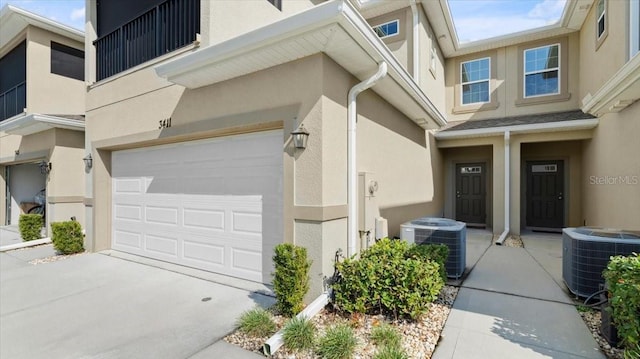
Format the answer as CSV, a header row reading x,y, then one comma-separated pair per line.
x,y
572,125
628,75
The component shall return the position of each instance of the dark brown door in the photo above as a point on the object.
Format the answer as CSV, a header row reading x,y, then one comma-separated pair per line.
x,y
545,194
470,193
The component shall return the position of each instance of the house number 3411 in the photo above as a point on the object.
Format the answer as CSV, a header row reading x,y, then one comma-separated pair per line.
x,y
166,123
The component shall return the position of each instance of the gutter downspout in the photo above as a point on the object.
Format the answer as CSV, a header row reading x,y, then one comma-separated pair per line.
x,y
507,187
352,175
416,41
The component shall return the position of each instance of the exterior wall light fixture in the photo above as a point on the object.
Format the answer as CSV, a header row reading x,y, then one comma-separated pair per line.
x,y
300,136
88,161
45,167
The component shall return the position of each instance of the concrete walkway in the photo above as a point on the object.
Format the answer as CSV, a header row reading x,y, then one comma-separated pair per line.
x,y
514,305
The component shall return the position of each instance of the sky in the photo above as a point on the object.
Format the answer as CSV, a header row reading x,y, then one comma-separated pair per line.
x,y
473,19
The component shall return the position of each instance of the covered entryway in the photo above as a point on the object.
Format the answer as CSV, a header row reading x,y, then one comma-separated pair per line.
x,y
24,183
214,204
471,193
545,194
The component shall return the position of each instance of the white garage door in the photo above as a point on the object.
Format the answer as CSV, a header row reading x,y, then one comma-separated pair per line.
x,y
214,205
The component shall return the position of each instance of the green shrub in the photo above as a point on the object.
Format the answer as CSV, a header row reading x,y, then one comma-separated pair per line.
x,y
623,276
632,353
67,237
30,226
339,342
299,334
385,335
388,278
257,323
438,253
390,353
291,278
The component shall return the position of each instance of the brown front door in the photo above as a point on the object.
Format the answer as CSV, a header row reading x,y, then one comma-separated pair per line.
x,y
470,193
545,194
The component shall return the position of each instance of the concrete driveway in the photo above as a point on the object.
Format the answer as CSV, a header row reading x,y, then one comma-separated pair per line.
x,y
99,306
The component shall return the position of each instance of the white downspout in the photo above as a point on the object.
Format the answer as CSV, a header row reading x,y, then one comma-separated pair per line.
x,y
507,186
352,169
416,41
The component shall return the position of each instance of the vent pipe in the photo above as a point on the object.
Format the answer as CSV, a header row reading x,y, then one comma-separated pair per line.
x,y
507,187
352,170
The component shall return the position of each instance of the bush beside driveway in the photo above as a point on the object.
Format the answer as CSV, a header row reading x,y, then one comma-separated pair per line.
x,y
99,306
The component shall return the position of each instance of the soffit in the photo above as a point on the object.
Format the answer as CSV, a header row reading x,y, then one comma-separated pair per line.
x,y
24,124
333,28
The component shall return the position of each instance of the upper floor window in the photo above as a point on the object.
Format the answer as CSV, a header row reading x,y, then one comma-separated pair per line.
x,y
475,76
542,71
67,61
387,29
133,32
634,27
601,22
13,85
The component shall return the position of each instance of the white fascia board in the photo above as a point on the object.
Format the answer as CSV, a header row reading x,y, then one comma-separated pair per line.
x,y
315,19
613,89
29,18
24,124
573,125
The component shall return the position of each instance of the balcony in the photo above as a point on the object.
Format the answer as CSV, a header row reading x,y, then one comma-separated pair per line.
x,y
13,101
166,27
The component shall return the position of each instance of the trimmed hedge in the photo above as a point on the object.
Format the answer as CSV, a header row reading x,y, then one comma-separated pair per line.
x,y
389,278
30,226
291,278
623,277
67,237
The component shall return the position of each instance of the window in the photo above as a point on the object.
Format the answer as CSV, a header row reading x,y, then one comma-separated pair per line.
x,y
634,27
67,61
387,29
601,18
542,71
432,59
474,78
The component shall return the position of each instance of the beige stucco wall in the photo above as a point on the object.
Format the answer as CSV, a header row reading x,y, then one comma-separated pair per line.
x,y
598,65
611,171
49,93
431,81
400,44
507,79
225,19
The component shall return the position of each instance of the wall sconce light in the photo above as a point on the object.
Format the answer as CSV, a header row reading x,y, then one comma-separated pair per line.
x,y
300,137
88,161
45,167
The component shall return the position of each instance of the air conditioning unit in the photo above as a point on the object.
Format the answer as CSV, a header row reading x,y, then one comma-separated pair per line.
x,y
431,230
586,252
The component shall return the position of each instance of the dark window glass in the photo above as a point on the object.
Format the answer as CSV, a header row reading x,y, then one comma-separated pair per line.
x,y
276,3
67,61
13,67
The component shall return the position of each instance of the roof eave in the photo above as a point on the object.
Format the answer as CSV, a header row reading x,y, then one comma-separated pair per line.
x,y
336,14
26,124
572,125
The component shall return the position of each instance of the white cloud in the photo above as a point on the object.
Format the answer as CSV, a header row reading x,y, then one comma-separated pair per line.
x,y
77,14
548,9
487,27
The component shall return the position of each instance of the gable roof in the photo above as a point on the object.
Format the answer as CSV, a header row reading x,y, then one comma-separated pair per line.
x,y
13,20
334,28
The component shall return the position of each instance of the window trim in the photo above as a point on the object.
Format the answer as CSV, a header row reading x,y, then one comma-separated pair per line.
x,y
563,75
397,21
605,17
525,73
433,54
462,83
493,103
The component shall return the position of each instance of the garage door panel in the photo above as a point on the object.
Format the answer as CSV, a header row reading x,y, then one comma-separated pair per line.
x,y
214,205
127,239
162,245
